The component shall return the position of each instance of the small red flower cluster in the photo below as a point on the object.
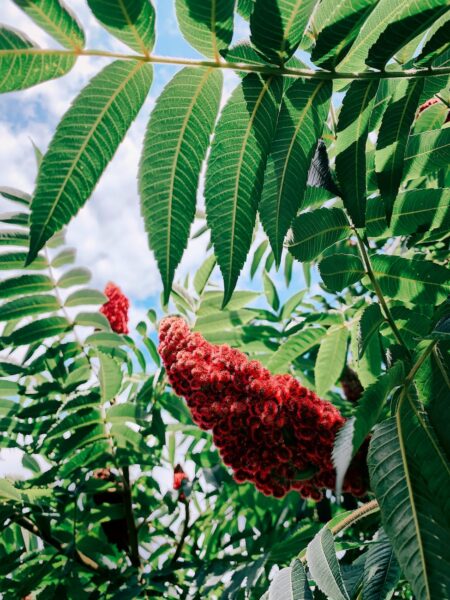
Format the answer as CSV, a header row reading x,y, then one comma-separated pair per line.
x,y
429,103
269,429
178,477
116,309
351,385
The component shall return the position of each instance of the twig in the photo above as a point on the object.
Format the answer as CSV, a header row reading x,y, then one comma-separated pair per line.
x,y
131,525
184,534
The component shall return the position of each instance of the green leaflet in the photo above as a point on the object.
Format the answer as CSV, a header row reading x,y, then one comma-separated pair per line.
x,y
76,276
427,152
132,21
110,377
338,271
85,141
393,137
296,345
315,231
290,583
437,41
331,358
23,64
37,331
337,23
418,281
369,324
389,27
324,567
235,171
56,20
25,284
206,24
302,116
381,570
271,292
411,479
352,132
418,208
245,7
355,430
28,305
84,297
277,27
175,146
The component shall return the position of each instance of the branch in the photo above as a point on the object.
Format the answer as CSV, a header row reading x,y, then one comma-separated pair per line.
x,y
131,525
183,536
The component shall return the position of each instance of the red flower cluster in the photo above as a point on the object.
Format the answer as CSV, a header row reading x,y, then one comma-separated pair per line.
x,y
269,429
351,385
178,476
116,309
429,103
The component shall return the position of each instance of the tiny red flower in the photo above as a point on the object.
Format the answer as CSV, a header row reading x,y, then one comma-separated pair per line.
x,y
116,309
268,428
178,476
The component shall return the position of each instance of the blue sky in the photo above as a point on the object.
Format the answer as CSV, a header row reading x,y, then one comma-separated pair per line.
x,y
108,232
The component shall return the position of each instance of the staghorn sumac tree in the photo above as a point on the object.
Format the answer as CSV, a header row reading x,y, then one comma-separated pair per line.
x,y
332,151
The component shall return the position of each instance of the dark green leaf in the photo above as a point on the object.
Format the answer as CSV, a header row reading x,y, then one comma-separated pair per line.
x,y
324,566
293,347
427,152
37,331
29,305
25,284
338,271
331,358
369,324
381,570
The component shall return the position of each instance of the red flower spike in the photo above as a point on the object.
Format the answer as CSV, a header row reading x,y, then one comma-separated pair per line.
x,y
268,428
116,309
178,476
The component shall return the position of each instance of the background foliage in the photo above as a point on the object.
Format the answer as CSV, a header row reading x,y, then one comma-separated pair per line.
x,y
327,147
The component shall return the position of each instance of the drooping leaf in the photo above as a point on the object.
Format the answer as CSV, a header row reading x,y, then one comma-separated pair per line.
x,y
331,358
270,291
437,41
371,320
338,271
337,23
352,132
296,345
427,152
290,583
355,430
206,24
277,27
303,113
257,257
315,231
381,570
203,274
132,21
84,143
110,376
324,566
416,281
37,331
23,64
393,137
175,146
235,171
56,20
28,305
320,175
389,27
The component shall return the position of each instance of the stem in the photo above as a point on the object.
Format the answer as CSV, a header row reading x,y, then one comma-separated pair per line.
x,y
238,66
387,313
183,536
131,525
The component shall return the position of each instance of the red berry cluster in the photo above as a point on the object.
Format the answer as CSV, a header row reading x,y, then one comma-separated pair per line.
x,y
116,309
429,103
351,385
269,429
178,477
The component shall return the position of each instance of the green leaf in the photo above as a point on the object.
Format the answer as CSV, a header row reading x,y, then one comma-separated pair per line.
x,y
16,261
84,297
29,305
411,479
277,27
245,7
66,257
302,116
337,23
270,291
427,152
437,41
25,284
56,20
13,237
206,24
132,21
338,271
324,566
236,168
23,64
371,320
14,195
257,257
352,132
389,27
77,276
296,345
432,117
84,143
393,137
37,331
355,430
175,146
110,376
415,209
381,570
95,319
203,274
331,358
290,583
315,231
416,281
30,496
105,339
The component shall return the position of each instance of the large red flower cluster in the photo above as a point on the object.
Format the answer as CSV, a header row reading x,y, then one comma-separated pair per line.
x,y
116,309
269,429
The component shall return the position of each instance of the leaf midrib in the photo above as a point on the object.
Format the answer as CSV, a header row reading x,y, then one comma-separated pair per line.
x,y
134,28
